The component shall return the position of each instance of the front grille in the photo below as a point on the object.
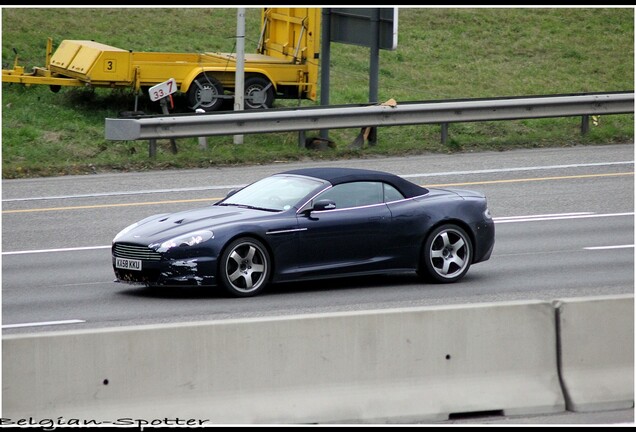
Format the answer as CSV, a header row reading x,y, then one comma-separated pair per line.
x,y
135,252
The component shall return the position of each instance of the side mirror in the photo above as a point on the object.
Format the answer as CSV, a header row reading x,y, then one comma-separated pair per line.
x,y
324,204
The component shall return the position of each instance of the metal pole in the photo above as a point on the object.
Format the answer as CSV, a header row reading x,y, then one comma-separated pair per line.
x,y
203,141
239,85
374,63
374,67
325,58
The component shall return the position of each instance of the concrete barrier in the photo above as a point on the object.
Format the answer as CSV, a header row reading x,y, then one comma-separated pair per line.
x,y
596,340
386,366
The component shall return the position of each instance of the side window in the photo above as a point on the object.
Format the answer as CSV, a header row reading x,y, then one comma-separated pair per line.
x,y
354,194
391,193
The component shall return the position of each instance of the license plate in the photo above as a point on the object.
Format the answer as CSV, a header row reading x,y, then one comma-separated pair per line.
x,y
128,264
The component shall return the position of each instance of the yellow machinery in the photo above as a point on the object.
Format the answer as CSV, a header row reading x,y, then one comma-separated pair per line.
x,y
285,65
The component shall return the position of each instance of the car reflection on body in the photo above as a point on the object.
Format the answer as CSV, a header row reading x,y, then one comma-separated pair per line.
x,y
311,223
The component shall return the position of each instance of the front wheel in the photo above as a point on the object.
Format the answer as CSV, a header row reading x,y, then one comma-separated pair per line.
x,y
447,254
245,267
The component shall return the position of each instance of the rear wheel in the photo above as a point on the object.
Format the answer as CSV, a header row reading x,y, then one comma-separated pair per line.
x,y
447,254
205,92
245,267
259,93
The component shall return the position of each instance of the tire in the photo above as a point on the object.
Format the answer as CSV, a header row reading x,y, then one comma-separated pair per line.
x,y
259,93
206,93
447,254
245,267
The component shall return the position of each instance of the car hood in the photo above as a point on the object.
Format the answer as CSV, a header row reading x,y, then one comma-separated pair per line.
x,y
162,227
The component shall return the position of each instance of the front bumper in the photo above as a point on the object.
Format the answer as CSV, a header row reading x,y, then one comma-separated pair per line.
x,y
199,271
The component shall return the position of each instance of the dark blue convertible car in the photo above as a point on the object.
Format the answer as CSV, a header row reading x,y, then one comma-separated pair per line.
x,y
309,224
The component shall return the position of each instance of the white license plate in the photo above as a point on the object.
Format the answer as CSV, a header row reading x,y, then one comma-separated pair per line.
x,y
128,264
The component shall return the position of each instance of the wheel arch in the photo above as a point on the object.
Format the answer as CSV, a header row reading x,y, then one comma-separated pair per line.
x,y
187,81
260,73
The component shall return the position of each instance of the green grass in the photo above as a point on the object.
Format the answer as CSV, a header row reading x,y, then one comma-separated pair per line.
x,y
443,53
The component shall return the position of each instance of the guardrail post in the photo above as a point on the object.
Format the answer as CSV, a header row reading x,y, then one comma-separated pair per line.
x,y
301,140
585,124
372,139
203,141
164,108
444,133
152,148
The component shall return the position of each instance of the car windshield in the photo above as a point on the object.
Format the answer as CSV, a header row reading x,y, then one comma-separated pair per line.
x,y
275,193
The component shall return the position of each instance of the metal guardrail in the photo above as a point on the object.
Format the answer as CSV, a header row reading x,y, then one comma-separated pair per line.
x,y
353,116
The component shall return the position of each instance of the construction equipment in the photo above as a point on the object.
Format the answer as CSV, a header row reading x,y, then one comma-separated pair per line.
x,y
285,65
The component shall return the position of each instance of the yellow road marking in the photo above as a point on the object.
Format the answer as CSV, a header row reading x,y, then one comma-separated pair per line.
x,y
216,199
110,205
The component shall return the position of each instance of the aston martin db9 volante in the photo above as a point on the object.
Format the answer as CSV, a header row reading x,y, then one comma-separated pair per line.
x,y
312,223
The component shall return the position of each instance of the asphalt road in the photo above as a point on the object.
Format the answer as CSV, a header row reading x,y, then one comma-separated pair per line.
x,y
564,228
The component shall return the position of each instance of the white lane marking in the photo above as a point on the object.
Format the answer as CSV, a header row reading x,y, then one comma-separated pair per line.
x,y
533,168
557,217
204,188
56,250
44,323
608,247
529,218
543,216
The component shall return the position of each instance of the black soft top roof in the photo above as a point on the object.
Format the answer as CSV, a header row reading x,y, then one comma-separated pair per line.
x,y
346,175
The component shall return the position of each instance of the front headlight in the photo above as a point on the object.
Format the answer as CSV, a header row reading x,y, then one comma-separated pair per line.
x,y
487,214
190,239
125,230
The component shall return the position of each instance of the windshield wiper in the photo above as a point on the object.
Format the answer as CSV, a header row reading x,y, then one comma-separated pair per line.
x,y
251,207
259,208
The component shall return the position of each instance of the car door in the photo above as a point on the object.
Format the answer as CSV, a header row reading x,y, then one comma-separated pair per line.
x,y
350,238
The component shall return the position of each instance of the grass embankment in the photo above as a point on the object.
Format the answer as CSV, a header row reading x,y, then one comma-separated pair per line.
x,y
442,54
